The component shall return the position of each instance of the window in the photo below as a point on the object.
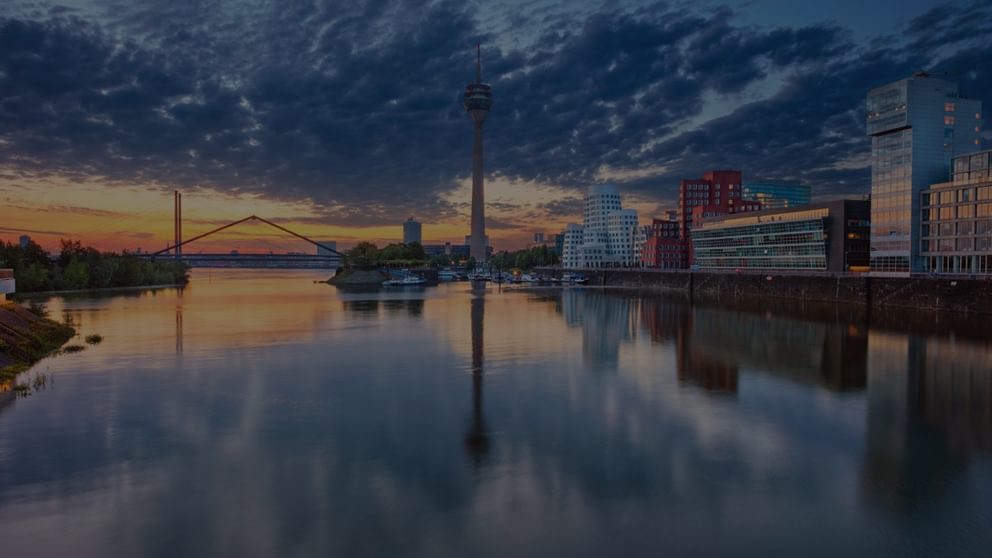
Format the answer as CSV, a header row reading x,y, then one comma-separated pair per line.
x,y
949,107
948,121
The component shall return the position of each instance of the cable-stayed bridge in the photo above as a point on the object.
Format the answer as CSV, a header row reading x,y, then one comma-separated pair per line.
x,y
325,257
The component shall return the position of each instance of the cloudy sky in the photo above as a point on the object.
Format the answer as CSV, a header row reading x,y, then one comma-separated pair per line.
x,y
341,119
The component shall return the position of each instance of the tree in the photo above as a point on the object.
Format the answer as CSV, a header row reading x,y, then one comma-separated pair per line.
x,y
74,276
364,255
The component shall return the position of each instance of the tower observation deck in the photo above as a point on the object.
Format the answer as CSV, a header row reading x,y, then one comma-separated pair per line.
x,y
478,100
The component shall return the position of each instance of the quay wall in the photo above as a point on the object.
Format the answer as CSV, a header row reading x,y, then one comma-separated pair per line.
x,y
937,293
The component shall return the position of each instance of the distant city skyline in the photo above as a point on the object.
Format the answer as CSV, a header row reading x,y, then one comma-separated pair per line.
x,y
629,93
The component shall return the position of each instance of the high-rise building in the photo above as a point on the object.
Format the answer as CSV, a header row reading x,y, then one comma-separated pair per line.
x,y
478,100
609,235
776,195
322,250
412,232
24,241
916,125
956,218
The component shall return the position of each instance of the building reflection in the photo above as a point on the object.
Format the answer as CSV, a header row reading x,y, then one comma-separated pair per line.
x,y
477,438
606,321
929,412
713,344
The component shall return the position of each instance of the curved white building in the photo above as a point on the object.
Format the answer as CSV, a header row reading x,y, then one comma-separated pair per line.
x,y
609,235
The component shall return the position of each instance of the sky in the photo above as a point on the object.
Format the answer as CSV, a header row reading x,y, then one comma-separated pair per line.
x,y
342,119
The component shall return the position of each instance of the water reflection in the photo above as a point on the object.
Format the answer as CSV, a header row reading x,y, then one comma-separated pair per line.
x,y
477,439
929,398
629,424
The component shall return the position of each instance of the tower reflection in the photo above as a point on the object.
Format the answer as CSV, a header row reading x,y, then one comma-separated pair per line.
x,y
477,438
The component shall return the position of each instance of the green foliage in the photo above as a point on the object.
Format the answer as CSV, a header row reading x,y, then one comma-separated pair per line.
x,y
366,255
529,258
78,267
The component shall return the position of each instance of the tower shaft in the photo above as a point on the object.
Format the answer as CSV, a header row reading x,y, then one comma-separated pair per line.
x,y
477,240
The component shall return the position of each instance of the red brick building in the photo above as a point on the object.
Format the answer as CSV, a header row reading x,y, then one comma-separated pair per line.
x,y
664,249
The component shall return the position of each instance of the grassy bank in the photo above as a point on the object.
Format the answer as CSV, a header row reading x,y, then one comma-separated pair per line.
x,y
26,338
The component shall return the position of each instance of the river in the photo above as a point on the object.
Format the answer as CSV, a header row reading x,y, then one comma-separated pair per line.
x,y
258,413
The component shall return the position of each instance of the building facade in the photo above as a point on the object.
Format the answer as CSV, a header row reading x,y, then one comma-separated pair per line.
x,y
956,219
609,235
718,190
663,249
412,232
776,195
831,236
916,125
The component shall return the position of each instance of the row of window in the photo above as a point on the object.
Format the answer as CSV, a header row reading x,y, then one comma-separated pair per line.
x,y
959,228
959,264
978,244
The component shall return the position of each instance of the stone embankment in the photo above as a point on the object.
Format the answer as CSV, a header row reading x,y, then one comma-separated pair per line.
x,y
937,293
26,338
357,278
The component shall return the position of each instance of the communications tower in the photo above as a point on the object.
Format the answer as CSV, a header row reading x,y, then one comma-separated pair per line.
x,y
478,101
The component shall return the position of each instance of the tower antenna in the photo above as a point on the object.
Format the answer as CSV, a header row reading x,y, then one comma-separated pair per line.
x,y
478,63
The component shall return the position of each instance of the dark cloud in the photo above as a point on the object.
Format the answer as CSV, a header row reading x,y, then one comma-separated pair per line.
x,y
354,107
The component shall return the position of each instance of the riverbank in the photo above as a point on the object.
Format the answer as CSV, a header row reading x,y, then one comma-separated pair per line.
x,y
26,338
935,293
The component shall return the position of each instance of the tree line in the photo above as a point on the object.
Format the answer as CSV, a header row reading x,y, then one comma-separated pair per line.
x,y
78,267
528,258
367,254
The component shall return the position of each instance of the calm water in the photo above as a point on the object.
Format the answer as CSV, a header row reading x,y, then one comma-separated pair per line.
x,y
260,414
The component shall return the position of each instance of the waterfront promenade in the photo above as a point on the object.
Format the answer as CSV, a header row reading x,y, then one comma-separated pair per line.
x,y
967,294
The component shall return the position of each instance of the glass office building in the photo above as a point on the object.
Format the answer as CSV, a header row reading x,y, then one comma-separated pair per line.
x,y
831,236
916,125
956,219
776,195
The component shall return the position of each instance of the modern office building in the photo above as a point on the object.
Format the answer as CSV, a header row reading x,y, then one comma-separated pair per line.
x,y
609,235
412,232
663,249
776,195
559,241
332,244
24,241
478,101
956,218
916,125
831,236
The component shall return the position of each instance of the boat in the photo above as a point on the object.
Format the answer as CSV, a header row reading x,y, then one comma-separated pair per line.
x,y
446,275
408,281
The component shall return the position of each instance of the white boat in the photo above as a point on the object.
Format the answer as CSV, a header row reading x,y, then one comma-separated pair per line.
x,y
446,275
408,281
